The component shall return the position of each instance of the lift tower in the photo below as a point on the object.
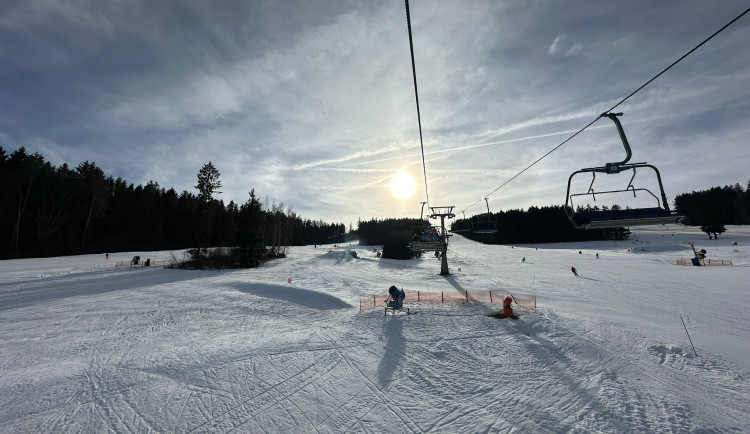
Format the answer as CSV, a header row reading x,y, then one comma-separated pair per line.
x,y
443,212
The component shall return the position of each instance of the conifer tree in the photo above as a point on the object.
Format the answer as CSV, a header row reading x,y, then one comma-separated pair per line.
x,y
208,182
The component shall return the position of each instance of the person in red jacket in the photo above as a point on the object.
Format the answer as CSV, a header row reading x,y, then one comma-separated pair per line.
x,y
507,309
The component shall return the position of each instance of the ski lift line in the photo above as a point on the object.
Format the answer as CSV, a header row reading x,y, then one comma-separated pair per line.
x,y
416,96
681,58
618,104
534,163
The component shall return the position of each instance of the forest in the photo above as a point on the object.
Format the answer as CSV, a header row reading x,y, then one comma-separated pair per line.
x,y
48,210
713,208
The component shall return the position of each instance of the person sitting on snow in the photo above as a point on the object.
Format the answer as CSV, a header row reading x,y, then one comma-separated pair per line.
x,y
507,309
397,296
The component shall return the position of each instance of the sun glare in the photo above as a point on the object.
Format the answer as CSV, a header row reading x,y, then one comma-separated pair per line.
x,y
403,185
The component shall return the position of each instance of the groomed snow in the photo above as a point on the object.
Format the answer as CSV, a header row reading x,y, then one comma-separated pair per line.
x,y
88,347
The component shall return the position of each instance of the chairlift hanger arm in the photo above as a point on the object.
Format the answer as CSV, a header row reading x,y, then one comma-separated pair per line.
x,y
621,165
421,214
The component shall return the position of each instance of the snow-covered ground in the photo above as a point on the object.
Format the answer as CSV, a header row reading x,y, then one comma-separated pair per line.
x,y
88,347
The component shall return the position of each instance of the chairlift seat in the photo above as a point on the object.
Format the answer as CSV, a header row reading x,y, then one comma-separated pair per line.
x,y
459,227
625,217
427,246
489,227
427,239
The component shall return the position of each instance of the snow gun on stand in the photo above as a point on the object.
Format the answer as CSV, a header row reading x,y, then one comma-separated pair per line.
x,y
395,301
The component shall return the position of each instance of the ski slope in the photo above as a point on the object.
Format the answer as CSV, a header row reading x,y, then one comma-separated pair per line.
x,y
87,347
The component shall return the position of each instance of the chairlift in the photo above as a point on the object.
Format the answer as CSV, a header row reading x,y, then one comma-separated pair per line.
x,y
426,238
461,226
611,218
488,226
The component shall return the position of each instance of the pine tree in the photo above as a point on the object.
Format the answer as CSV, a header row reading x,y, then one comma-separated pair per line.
x,y
95,190
208,182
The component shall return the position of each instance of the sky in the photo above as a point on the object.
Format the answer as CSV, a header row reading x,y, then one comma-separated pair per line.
x,y
312,104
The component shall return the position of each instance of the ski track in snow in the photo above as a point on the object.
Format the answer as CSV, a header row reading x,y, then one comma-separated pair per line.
x,y
86,347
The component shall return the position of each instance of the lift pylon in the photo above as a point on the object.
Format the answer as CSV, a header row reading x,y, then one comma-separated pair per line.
x,y
443,212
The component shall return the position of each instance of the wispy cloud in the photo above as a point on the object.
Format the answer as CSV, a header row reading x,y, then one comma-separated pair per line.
x,y
561,46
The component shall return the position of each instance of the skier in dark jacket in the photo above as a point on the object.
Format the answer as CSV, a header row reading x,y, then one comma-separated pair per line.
x,y
573,269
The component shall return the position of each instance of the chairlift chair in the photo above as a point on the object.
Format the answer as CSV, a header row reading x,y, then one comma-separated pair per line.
x,y
611,218
461,226
488,226
427,239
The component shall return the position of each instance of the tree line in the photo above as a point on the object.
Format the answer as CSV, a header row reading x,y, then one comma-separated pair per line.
x,y
713,208
548,224
710,209
536,225
394,235
48,210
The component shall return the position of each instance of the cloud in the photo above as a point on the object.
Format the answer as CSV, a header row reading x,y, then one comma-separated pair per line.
x,y
574,49
312,102
554,48
560,46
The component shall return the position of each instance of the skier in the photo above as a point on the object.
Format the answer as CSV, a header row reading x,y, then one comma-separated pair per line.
x,y
597,256
573,269
523,260
397,296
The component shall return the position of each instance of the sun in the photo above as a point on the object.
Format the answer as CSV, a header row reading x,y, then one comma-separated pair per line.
x,y
403,185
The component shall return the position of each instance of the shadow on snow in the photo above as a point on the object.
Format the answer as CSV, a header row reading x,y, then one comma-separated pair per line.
x,y
303,297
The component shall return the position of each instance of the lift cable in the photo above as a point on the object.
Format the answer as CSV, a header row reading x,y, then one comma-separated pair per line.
x,y
416,95
613,107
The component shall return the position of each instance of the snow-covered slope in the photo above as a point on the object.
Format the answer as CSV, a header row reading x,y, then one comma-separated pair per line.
x,y
87,347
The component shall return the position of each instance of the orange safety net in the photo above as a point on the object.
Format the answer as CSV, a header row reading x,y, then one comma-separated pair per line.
x,y
379,300
706,262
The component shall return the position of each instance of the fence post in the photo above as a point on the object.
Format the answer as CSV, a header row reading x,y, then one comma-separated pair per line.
x,y
373,300
467,295
417,296
442,297
490,296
